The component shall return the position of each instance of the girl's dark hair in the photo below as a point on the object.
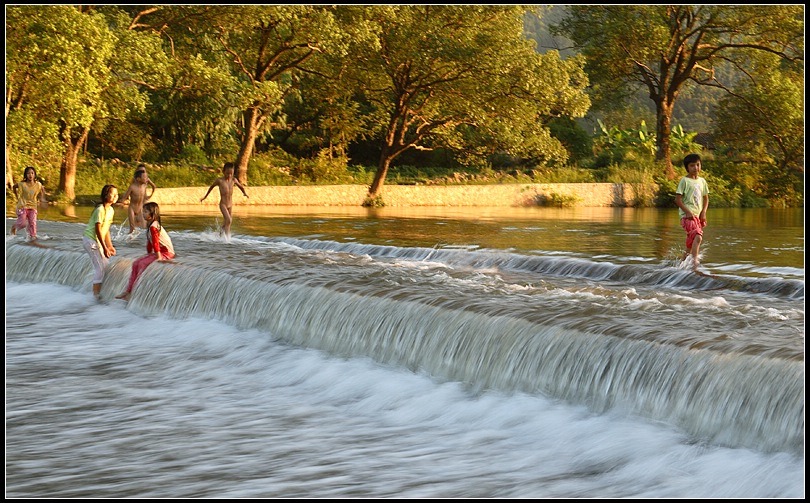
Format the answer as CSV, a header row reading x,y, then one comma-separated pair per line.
x,y
154,209
25,172
105,192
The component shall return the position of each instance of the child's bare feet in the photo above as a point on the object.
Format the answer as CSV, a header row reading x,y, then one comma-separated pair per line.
x,y
123,296
13,230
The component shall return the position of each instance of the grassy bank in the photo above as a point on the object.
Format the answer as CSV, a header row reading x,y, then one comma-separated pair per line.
x,y
649,189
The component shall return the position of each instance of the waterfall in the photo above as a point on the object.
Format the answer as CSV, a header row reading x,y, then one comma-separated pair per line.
x,y
732,399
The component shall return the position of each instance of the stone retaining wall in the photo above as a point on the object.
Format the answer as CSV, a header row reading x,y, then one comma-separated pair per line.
x,y
516,194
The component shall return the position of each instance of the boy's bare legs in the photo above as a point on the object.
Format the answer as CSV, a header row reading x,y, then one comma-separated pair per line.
x,y
135,219
131,218
693,252
227,219
696,250
97,290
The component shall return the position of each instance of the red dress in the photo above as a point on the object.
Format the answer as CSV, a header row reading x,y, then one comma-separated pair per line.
x,y
158,244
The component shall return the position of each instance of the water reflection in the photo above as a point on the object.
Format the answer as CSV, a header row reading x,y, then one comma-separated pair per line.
x,y
763,237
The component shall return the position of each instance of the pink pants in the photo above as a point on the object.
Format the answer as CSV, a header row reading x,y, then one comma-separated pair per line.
x,y
138,266
27,218
693,229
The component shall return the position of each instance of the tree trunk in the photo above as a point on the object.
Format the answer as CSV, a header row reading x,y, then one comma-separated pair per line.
x,y
67,171
663,130
251,132
382,170
9,172
388,154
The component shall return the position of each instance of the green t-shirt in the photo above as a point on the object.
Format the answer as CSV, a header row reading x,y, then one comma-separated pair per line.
x,y
692,191
103,215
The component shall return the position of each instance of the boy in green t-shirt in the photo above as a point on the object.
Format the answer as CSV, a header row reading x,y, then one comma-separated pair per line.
x,y
692,199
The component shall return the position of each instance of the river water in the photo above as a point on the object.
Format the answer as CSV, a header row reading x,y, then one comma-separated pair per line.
x,y
410,352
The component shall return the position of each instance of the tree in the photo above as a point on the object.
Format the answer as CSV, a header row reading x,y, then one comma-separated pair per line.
x,y
265,48
72,67
766,116
53,70
459,77
667,47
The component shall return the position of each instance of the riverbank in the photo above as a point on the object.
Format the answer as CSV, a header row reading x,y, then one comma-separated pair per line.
x,y
509,195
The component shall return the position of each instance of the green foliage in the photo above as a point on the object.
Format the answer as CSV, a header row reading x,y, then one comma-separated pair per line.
x,y
757,184
183,175
32,142
723,193
615,145
577,141
361,174
767,118
642,174
462,78
682,142
263,172
192,154
273,167
664,49
324,169
480,105
77,67
665,197
374,202
92,175
122,140
411,175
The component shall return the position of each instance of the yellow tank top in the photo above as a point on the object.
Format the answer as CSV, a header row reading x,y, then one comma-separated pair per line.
x,y
29,194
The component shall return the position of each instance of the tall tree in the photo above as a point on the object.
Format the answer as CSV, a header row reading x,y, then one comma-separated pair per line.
x,y
74,66
447,75
667,47
55,67
199,107
265,49
761,122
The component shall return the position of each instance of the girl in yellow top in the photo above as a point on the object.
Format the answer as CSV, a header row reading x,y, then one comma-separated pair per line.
x,y
31,192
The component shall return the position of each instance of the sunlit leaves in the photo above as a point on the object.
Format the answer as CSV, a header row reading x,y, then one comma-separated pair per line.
x,y
438,71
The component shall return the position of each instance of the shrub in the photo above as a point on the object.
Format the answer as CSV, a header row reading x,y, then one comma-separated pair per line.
x,y
92,175
558,200
374,202
174,175
562,175
192,154
325,169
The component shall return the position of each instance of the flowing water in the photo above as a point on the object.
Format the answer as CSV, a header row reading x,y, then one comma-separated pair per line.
x,y
424,352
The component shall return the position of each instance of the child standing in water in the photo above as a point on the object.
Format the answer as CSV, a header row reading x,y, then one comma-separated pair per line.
x,y
31,193
692,199
96,238
136,193
149,181
225,184
158,246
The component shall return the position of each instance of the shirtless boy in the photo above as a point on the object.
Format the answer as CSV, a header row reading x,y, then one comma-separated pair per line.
x,y
136,193
225,184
